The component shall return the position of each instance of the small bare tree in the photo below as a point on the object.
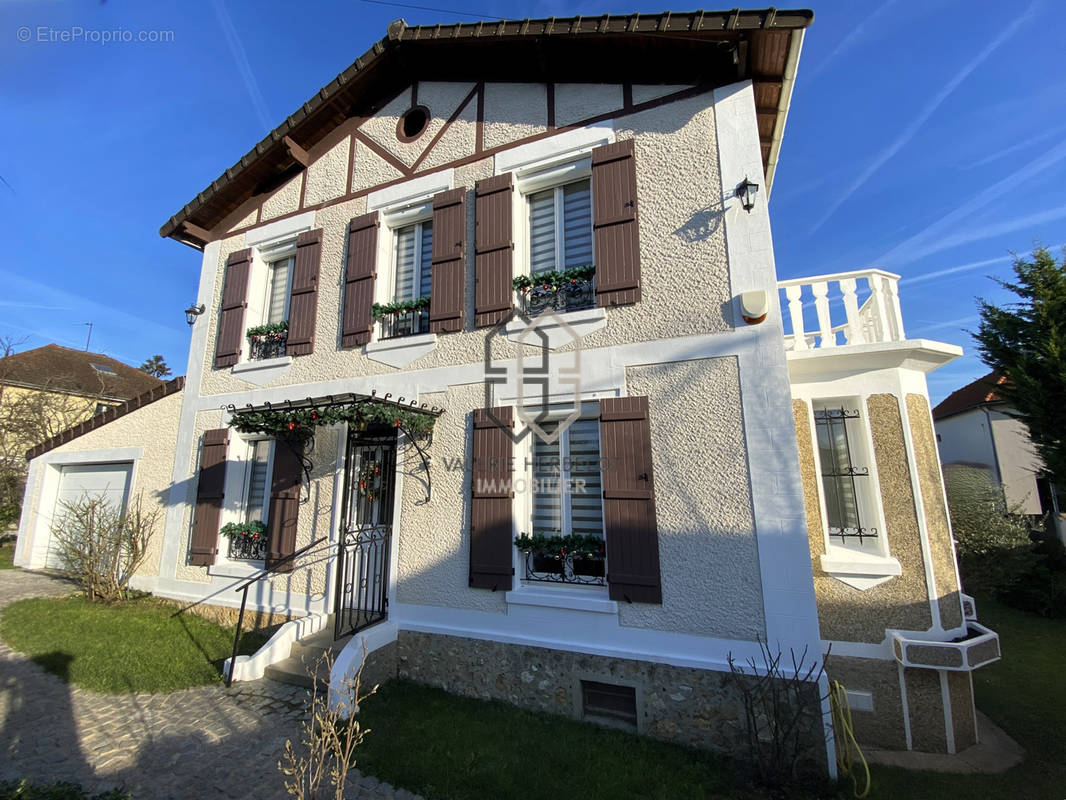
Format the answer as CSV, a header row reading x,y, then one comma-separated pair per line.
x,y
101,546
783,711
331,734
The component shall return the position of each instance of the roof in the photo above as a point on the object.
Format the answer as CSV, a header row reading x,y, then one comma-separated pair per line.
x,y
973,395
711,48
64,369
110,415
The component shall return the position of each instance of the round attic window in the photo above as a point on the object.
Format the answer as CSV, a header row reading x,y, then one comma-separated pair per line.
x,y
413,123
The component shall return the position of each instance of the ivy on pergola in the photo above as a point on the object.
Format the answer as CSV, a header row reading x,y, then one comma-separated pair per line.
x,y
299,422
295,421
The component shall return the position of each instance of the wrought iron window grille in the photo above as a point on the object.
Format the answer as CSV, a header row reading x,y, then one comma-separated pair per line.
x,y
569,296
267,345
410,323
573,568
241,548
839,487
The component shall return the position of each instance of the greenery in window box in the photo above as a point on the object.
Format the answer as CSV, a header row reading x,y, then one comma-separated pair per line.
x,y
382,310
554,279
575,545
254,531
273,330
299,423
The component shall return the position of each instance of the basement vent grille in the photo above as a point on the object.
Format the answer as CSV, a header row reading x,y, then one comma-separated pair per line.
x,y
608,701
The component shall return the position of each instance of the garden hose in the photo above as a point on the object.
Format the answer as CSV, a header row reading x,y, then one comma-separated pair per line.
x,y
849,755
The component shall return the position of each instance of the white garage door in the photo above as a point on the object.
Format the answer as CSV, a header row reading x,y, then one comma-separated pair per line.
x,y
110,481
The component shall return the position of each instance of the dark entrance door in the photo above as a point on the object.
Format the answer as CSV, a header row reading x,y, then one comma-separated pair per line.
x,y
362,597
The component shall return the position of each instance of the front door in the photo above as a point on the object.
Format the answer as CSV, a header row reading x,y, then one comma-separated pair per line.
x,y
366,531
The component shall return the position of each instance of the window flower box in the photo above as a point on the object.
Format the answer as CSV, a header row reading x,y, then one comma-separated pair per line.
x,y
268,341
403,318
561,291
564,559
247,540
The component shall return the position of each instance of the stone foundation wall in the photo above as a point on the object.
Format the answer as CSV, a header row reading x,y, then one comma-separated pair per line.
x,y
226,616
692,707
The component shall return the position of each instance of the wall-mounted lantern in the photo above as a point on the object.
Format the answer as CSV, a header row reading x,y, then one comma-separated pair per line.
x,y
754,306
746,191
192,312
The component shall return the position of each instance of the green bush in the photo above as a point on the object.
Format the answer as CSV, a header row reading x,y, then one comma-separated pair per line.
x,y
26,790
999,550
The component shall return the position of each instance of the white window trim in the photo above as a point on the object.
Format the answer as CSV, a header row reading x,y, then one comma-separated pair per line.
x,y
235,501
860,569
564,595
535,179
402,350
264,254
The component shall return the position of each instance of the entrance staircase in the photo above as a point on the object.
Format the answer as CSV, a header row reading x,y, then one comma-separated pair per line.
x,y
304,655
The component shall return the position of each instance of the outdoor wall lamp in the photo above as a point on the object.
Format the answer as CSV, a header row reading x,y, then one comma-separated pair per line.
x,y
192,312
746,191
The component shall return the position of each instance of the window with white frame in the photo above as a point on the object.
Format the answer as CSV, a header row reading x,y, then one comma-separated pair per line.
x,y
565,543
267,337
847,489
557,210
254,493
403,298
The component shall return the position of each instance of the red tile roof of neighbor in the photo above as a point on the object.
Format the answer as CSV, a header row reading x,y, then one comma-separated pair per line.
x,y
981,392
64,369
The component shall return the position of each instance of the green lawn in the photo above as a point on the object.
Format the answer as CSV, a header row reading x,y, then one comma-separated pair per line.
x,y
1026,696
452,748
7,553
135,646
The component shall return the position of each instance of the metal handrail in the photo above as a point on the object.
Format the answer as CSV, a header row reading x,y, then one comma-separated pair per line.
x,y
244,587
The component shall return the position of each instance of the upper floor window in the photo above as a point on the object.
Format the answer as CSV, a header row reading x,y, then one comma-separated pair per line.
x,y
268,319
558,238
403,295
849,499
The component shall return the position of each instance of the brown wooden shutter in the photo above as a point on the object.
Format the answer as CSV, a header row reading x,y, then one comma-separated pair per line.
x,y
629,501
615,224
284,509
303,304
209,488
491,505
493,251
234,301
359,280
448,293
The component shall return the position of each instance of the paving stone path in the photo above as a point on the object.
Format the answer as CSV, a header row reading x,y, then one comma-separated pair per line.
x,y
208,742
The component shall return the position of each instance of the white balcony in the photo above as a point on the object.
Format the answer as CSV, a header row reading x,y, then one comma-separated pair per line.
x,y
825,311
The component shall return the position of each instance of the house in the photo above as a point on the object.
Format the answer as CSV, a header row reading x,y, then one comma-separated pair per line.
x,y
53,388
495,363
975,427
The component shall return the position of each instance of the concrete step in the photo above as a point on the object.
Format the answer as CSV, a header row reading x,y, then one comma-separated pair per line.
x,y
294,671
304,655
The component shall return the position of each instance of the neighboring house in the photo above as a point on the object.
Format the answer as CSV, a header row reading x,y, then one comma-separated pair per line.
x,y
49,389
975,427
723,483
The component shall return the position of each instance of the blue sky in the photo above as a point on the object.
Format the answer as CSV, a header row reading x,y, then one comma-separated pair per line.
x,y
927,138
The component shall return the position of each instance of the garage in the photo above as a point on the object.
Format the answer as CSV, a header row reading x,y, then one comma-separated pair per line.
x,y
110,481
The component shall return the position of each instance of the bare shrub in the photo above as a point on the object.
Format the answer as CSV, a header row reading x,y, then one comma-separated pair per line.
x,y
783,712
102,546
331,734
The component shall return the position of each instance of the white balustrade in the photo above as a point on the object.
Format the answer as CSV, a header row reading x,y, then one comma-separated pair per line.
x,y
877,320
